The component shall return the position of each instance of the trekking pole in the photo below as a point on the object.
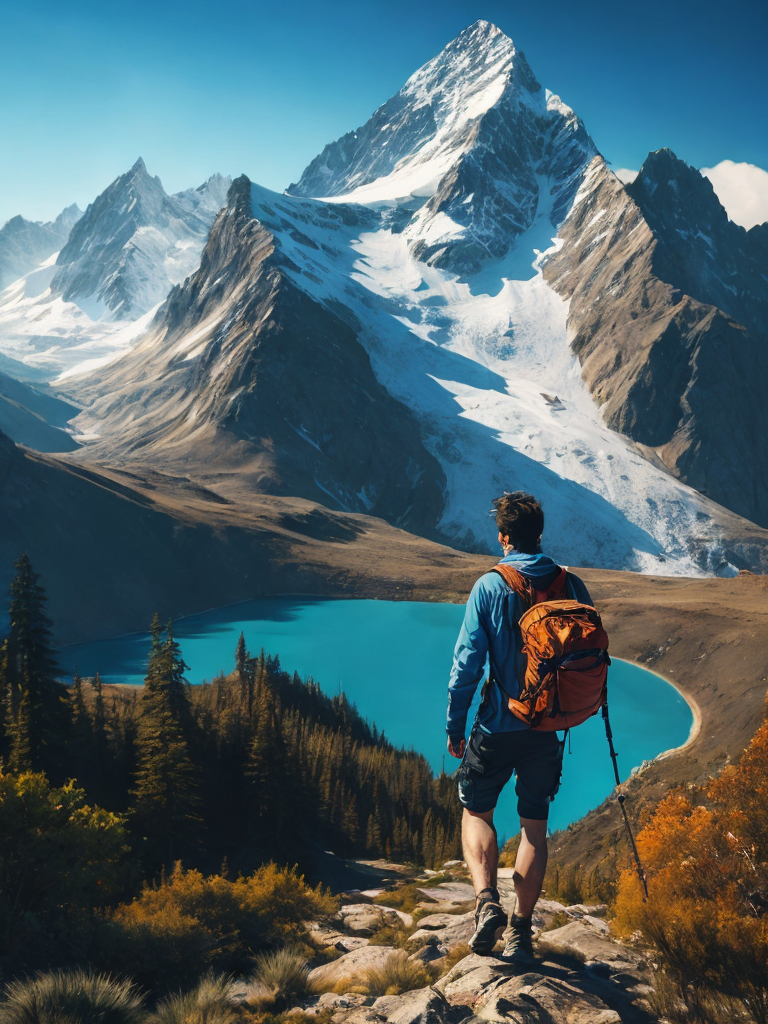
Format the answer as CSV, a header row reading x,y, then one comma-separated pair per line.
x,y
621,798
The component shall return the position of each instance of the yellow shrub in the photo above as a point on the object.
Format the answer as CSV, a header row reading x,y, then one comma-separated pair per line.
x,y
190,923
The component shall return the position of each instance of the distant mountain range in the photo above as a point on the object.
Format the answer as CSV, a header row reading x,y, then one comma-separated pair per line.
x,y
457,298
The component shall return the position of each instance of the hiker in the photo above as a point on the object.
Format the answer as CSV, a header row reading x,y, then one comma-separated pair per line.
x,y
500,743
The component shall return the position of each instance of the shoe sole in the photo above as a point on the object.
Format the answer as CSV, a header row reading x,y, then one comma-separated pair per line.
x,y
483,941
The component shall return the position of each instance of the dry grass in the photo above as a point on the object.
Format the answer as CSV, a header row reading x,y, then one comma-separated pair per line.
x,y
74,997
210,1002
283,976
666,1002
453,957
397,975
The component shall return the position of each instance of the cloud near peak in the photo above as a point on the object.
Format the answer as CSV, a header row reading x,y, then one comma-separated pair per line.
x,y
742,189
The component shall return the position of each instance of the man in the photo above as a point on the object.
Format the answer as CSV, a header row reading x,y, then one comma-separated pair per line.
x,y
500,744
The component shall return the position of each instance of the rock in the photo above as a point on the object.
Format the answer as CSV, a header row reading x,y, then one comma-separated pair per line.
x,y
366,918
328,1001
587,943
579,910
470,977
447,929
431,951
349,942
445,907
451,892
533,997
352,965
420,1006
454,864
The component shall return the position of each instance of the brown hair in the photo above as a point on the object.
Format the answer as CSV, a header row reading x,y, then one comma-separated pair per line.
x,y
520,517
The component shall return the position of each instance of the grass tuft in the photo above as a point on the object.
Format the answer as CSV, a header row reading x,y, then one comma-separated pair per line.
x,y
210,1002
75,997
284,977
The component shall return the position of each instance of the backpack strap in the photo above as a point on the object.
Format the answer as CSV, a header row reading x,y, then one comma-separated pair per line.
x,y
515,581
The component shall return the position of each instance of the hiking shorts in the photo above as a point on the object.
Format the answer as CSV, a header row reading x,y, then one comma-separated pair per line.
x,y
489,760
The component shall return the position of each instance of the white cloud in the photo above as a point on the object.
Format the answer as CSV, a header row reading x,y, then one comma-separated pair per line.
x,y
742,189
625,174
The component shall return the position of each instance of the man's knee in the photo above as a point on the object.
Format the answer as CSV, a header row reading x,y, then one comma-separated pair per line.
x,y
535,831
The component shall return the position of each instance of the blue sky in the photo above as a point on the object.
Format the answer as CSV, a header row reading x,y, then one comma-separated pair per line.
x,y
194,88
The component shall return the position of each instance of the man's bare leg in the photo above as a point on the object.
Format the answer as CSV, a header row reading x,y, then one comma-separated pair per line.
x,y
530,864
481,852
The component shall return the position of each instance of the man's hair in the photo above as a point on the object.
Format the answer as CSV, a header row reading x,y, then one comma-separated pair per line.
x,y
520,517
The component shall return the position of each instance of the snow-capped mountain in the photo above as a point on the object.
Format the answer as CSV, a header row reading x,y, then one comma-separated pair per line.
x,y
94,297
473,143
134,243
25,244
418,317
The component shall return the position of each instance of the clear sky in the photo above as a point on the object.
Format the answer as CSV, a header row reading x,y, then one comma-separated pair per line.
x,y
87,86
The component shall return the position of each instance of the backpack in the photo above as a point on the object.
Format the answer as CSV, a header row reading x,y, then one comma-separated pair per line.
x,y
565,655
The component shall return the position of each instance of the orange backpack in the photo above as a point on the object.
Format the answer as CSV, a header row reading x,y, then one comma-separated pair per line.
x,y
566,655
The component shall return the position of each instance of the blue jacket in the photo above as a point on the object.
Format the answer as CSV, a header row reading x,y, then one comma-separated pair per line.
x,y
485,633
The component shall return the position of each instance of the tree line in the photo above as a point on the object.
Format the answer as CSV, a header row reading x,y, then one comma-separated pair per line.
x,y
255,766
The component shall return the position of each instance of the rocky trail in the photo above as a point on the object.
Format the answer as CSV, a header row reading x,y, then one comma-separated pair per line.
x,y
581,975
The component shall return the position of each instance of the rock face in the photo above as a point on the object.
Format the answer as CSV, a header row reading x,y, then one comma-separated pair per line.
x,y
25,244
133,243
668,312
244,371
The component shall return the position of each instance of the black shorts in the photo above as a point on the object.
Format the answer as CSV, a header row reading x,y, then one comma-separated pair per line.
x,y
489,760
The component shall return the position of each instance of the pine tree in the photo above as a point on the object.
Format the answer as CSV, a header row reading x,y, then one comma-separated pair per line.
x,y
36,713
165,793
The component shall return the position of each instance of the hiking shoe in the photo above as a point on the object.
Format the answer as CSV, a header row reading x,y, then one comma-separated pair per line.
x,y
519,947
490,920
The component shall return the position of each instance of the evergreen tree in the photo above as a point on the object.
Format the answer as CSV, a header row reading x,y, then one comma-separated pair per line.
x,y
35,715
165,792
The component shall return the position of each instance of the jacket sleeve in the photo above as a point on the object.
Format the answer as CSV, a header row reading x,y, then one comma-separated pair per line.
x,y
469,658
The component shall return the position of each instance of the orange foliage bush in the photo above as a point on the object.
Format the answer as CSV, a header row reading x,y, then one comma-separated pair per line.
x,y
189,923
707,867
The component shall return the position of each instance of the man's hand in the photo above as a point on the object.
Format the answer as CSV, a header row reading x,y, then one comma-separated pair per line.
x,y
456,746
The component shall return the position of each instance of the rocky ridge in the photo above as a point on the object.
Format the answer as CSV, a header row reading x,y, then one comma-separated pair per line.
x,y
581,974
667,310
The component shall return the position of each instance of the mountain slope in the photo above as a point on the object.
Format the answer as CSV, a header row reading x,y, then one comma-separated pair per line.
x,y
34,418
245,372
672,350
25,244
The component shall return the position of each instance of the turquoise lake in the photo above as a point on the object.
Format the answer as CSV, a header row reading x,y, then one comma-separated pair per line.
x,y
392,659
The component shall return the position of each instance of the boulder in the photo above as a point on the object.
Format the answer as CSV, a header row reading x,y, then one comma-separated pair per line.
x,y
587,943
420,1006
367,918
446,929
470,977
451,892
535,997
431,951
352,965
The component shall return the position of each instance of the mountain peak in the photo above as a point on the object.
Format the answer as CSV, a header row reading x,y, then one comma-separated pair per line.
x,y
479,32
